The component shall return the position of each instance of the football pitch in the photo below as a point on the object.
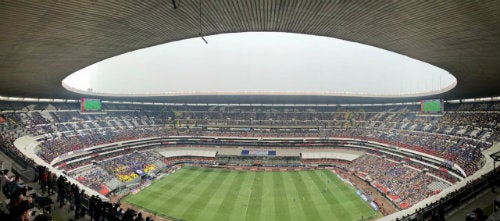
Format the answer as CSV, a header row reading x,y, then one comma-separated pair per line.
x,y
218,194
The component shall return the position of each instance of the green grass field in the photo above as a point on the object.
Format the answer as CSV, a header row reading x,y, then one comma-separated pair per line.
x,y
219,194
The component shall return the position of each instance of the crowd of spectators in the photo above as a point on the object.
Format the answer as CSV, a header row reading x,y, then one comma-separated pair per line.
x,y
459,135
93,177
23,199
7,146
97,172
124,167
334,162
100,210
51,148
402,184
460,150
171,161
398,117
465,152
70,166
487,120
294,133
436,210
259,161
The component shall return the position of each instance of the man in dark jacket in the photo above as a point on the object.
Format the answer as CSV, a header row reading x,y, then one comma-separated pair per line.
x,y
78,202
61,190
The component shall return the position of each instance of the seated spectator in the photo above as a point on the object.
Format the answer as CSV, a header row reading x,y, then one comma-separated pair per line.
x,y
21,212
15,199
16,185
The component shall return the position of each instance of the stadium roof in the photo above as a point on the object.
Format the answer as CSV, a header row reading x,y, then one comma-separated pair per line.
x,y
42,42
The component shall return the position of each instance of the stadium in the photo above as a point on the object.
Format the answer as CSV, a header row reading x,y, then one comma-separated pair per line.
x,y
277,140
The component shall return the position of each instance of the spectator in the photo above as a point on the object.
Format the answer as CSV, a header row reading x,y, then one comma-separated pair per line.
x,y
78,201
44,180
5,181
15,185
21,212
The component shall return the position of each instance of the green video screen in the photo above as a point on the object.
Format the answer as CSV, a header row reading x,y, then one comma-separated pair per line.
x,y
431,106
90,105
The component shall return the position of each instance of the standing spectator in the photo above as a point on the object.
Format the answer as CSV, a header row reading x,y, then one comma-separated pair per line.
x,y
5,180
61,190
139,217
53,183
49,182
128,215
44,180
92,202
98,207
78,201
71,196
40,170
120,213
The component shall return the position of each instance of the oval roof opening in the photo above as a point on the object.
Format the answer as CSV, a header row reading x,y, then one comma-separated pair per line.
x,y
261,63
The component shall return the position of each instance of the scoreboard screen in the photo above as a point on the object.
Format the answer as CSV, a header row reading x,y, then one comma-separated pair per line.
x,y
90,105
431,106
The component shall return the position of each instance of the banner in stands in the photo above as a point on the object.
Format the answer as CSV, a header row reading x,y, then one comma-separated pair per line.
x,y
374,205
367,199
258,153
140,173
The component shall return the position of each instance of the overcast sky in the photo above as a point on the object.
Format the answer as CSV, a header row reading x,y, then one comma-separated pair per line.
x,y
261,62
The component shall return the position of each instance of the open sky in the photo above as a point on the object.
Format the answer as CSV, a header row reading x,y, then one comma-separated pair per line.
x,y
260,63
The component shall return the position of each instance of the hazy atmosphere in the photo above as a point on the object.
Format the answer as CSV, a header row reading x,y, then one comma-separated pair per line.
x,y
260,63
